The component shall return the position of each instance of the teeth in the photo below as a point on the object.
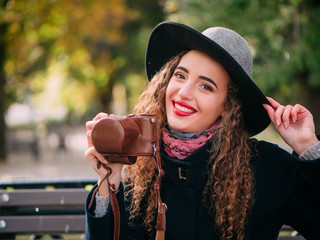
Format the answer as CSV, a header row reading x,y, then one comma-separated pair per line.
x,y
184,109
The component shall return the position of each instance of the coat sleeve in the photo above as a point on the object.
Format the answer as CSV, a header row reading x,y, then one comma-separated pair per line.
x,y
311,169
303,208
102,227
283,182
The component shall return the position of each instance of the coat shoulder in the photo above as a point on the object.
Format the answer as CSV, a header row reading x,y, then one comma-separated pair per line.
x,y
270,154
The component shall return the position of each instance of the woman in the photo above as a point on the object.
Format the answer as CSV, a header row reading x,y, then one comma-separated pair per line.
x,y
219,183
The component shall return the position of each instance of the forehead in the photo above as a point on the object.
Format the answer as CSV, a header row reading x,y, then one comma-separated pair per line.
x,y
198,58
199,63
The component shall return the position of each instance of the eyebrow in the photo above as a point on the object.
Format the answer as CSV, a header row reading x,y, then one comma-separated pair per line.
x,y
202,77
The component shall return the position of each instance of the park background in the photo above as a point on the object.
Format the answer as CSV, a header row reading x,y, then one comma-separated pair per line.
x,y
62,62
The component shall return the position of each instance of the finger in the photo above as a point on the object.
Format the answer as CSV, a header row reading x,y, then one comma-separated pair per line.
x,y
90,124
294,112
278,115
286,115
89,154
274,103
99,116
93,156
89,139
270,112
299,112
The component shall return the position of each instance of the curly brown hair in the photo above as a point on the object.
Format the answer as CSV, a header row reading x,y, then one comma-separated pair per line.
x,y
141,176
229,189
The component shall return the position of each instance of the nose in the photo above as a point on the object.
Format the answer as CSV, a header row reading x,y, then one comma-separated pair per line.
x,y
186,90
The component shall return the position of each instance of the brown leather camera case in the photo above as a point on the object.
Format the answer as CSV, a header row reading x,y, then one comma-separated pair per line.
x,y
122,138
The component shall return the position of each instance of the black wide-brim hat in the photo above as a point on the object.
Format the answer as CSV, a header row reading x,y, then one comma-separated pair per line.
x,y
223,45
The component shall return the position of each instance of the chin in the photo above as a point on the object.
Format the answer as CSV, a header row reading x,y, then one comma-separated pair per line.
x,y
182,128
176,126
183,125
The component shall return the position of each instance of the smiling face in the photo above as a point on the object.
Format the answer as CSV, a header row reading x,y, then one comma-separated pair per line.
x,y
196,93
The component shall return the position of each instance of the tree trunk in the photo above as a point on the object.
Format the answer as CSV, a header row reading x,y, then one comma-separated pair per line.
x,y
3,29
106,96
310,98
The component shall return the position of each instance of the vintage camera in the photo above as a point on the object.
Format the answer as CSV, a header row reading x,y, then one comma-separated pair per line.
x,y
121,139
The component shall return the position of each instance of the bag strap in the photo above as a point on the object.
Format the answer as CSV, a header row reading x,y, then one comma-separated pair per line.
x,y
113,200
162,207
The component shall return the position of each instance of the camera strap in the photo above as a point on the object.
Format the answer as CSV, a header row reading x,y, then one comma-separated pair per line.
x,y
162,207
152,124
112,198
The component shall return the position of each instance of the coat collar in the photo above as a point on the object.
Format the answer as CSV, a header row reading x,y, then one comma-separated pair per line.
x,y
190,173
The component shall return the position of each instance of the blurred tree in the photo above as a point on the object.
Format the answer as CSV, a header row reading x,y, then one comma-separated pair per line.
x,y
130,57
82,47
3,43
284,36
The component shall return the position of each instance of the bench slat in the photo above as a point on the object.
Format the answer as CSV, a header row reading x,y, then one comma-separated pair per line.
x,y
43,224
40,197
27,183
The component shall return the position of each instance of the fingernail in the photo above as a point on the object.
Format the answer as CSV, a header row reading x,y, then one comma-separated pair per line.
x,y
285,125
293,119
277,122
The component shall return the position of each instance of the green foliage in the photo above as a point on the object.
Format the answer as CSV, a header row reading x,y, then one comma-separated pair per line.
x,y
86,46
93,45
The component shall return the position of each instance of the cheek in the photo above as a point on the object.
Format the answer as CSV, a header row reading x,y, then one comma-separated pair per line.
x,y
220,101
213,108
169,91
167,99
169,87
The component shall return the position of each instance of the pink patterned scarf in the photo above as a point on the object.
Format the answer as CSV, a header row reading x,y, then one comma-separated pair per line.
x,y
181,145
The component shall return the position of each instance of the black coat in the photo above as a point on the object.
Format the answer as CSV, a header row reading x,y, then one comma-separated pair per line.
x,y
282,196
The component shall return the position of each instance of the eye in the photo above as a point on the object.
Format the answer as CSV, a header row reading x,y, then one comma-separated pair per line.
x,y
206,87
179,75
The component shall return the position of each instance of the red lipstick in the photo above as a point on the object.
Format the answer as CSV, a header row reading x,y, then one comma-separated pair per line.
x,y
180,112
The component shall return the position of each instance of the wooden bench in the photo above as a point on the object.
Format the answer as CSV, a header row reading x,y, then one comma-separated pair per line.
x,y
53,207
39,207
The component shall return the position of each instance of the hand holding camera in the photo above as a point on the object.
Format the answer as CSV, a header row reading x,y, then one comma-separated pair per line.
x,y
95,158
117,140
